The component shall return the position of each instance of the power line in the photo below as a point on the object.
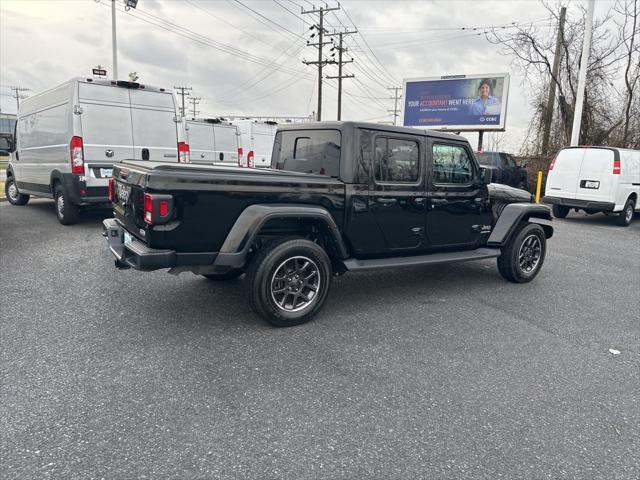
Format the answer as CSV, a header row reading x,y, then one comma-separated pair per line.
x,y
341,49
395,107
183,92
194,101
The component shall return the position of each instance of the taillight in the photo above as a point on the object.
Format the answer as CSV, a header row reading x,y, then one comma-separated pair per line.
x,y
616,167
240,157
77,155
250,159
553,162
158,209
183,153
110,190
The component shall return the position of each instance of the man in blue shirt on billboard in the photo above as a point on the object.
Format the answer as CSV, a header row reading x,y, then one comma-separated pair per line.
x,y
485,104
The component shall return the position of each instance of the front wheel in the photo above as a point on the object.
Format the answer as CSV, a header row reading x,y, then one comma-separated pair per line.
x,y
67,212
522,257
288,282
559,211
626,217
12,193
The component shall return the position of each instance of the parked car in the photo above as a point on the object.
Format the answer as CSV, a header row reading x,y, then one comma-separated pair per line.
x,y
214,142
504,168
256,142
69,137
341,196
595,179
6,146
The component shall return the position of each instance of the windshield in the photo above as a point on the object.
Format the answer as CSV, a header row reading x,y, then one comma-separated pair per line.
x,y
308,151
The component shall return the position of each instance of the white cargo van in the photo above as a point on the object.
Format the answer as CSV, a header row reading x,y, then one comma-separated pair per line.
x,y
68,137
213,142
256,141
595,179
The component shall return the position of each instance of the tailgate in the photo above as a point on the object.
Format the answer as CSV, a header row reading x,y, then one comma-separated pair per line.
x,y
128,202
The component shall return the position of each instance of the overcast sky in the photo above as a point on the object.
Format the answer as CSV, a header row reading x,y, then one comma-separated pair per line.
x,y
227,52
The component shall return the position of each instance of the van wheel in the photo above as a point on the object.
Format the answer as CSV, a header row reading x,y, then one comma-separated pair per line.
x,y
522,257
626,216
67,213
288,281
559,211
12,193
232,275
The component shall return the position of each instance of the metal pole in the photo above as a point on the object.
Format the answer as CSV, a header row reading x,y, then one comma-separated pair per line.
x,y
582,75
548,114
340,78
114,39
480,135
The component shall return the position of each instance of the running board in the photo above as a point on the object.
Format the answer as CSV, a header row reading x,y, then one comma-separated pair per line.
x,y
432,259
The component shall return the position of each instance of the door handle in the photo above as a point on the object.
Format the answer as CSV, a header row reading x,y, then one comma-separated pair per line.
x,y
387,201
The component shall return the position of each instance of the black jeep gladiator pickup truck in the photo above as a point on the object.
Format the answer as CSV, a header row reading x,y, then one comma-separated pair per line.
x,y
339,197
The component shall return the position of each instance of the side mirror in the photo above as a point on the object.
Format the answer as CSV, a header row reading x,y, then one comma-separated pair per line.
x,y
485,175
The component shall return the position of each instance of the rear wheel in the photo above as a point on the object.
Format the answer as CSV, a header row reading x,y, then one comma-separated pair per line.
x,y
559,211
12,193
288,282
626,216
67,213
522,257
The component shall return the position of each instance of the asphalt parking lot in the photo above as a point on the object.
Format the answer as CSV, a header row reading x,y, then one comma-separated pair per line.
x,y
438,372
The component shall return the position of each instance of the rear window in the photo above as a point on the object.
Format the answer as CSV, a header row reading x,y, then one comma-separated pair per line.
x,y
488,158
308,151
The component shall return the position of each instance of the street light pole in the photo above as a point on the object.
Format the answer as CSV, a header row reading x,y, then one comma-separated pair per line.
x,y
114,39
582,75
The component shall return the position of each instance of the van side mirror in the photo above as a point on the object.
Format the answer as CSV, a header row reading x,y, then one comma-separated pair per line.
x,y
485,175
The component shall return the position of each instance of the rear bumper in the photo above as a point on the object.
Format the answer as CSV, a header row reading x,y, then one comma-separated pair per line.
x,y
135,254
80,194
582,204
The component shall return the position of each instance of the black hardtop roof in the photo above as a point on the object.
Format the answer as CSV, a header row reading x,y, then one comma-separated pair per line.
x,y
371,126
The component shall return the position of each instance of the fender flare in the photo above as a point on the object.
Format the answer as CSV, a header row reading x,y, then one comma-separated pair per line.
x,y
236,246
55,175
512,215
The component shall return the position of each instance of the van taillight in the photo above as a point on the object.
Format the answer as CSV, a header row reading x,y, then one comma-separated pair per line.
x,y
553,162
77,155
158,209
183,153
250,159
616,167
240,157
110,190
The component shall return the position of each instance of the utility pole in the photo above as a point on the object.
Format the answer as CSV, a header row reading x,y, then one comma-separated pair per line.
x,y
183,92
320,62
548,113
17,91
194,101
582,75
114,40
395,97
340,76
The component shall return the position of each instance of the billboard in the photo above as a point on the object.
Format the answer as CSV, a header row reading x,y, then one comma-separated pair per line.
x,y
456,102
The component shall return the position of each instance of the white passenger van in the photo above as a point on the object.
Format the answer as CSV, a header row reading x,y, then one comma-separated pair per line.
x,y
68,137
595,179
212,141
256,141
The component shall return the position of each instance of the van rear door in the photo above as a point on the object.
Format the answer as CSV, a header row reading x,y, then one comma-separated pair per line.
x,y
563,179
200,137
226,143
596,180
106,129
154,125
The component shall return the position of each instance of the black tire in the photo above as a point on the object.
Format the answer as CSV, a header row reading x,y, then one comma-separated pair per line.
x,y
626,217
559,211
219,277
302,266
67,213
13,195
522,257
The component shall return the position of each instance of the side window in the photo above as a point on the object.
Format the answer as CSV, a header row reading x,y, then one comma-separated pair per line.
x,y
512,161
451,164
308,151
396,160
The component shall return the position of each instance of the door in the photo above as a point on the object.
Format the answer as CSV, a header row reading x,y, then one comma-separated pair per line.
x,y
106,129
396,192
458,213
596,181
155,130
201,142
508,170
562,180
226,144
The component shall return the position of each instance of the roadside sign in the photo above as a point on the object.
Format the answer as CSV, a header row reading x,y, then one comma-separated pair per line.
x,y
100,72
